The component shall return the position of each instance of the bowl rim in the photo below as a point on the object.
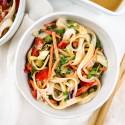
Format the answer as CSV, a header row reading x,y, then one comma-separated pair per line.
x,y
104,10
16,23
16,63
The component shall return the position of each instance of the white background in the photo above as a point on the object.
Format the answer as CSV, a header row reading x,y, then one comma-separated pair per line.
x,y
13,107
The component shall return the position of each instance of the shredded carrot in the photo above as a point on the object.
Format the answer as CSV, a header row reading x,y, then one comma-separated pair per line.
x,y
53,101
51,61
73,67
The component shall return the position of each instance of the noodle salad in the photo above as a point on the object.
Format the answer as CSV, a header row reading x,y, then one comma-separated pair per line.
x,y
65,64
8,10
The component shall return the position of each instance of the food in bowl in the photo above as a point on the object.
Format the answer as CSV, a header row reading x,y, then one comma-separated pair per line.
x,y
65,64
109,4
8,10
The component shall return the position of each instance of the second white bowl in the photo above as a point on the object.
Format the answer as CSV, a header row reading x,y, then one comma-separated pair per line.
x,y
16,23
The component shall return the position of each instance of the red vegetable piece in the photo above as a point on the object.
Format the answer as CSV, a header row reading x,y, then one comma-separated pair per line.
x,y
86,83
35,52
42,75
1,18
34,94
48,32
75,44
63,44
82,90
38,42
17,4
28,68
4,4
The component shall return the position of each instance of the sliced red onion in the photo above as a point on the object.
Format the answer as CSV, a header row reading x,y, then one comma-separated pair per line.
x,y
71,94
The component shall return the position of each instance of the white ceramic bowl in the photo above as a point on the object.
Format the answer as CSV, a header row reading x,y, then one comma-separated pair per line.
x,y
16,23
109,79
92,5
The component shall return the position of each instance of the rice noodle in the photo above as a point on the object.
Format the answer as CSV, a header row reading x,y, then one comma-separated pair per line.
x,y
73,75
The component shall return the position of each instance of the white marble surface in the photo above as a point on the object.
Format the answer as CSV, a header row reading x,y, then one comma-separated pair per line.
x,y
17,111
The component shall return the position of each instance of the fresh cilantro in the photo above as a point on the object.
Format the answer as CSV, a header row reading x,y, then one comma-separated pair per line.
x,y
48,39
63,60
33,70
68,71
65,95
58,69
72,24
51,27
92,72
60,31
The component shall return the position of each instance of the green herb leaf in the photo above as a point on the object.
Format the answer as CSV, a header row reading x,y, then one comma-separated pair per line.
x,y
72,24
39,63
63,60
65,95
68,71
48,39
33,70
60,31
51,27
58,69
92,73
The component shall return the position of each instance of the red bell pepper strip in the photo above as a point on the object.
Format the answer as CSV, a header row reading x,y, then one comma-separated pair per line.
x,y
35,52
28,68
4,4
62,44
42,75
86,83
38,42
82,90
85,87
